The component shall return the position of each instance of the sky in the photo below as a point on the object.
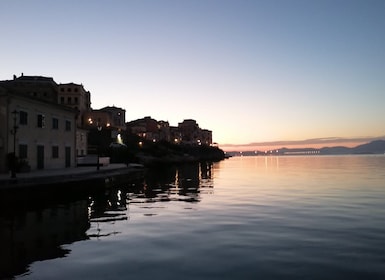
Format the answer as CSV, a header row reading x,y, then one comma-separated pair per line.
x,y
252,71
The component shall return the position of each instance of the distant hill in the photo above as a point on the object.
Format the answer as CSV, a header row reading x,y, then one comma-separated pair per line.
x,y
339,150
374,147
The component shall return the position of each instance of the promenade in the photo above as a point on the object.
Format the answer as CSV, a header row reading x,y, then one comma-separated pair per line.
x,y
67,175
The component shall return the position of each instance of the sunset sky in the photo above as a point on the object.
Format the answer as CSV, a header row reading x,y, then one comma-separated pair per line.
x,y
252,71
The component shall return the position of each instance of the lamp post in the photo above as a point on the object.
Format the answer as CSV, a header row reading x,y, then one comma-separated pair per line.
x,y
13,132
99,127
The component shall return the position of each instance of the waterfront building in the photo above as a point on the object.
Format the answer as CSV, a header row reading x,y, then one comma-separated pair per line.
x,y
105,126
37,87
192,134
175,135
206,137
117,117
187,132
34,127
76,97
164,131
150,129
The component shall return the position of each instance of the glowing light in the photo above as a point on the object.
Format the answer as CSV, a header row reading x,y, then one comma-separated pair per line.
x,y
119,139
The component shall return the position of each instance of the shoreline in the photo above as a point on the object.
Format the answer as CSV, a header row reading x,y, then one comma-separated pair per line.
x,y
48,177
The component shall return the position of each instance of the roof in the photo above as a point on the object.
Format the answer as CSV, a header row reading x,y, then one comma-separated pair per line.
x,y
35,79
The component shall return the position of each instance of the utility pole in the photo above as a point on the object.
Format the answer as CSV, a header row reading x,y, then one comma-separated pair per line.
x,y
13,132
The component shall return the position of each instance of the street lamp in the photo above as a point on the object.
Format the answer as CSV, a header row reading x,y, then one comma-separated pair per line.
x,y
13,132
99,127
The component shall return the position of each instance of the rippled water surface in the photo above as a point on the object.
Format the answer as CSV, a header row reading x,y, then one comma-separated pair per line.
x,y
310,217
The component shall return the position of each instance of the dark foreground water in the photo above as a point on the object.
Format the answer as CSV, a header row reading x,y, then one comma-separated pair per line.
x,y
311,217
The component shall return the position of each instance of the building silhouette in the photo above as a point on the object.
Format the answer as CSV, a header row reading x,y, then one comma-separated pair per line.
x,y
187,132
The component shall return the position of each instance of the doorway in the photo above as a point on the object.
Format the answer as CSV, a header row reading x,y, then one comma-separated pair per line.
x,y
40,157
67,156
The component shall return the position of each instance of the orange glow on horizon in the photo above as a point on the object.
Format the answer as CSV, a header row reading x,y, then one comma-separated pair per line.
x,y
262,148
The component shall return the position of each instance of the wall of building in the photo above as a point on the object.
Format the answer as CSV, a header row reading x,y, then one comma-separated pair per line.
x,y
50,127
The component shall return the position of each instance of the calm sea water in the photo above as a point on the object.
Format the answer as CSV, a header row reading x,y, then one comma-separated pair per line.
x,y
309,217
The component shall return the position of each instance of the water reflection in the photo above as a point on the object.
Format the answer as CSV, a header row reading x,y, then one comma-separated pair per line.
x,y
170,183
38,231
29,235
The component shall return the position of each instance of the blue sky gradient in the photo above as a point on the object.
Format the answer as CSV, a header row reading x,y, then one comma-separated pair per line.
x,y
251,71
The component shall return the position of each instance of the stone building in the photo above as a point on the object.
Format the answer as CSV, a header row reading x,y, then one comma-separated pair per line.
x,y
187,132
76,97
190,131
105,126
34,126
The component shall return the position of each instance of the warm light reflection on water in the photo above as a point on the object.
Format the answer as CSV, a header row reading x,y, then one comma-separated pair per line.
x,y
309,217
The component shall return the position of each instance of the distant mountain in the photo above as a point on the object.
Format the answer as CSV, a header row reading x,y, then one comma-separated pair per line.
x,y
339,150
374,147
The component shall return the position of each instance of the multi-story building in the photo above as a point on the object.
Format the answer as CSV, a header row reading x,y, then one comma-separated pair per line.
x,y
147,128
187,132
191,133
33,126
37,87
150,129
117,117
107,123
76,97
206,137
175,135
164,131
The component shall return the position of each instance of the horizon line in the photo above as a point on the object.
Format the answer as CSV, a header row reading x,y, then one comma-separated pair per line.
x,y
307,142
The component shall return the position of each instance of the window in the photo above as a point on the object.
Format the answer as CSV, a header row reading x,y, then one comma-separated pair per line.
x,y
23,151
23,118
69,100
62,100
68,125
40,121
61,89
76,100
55,123
55,151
